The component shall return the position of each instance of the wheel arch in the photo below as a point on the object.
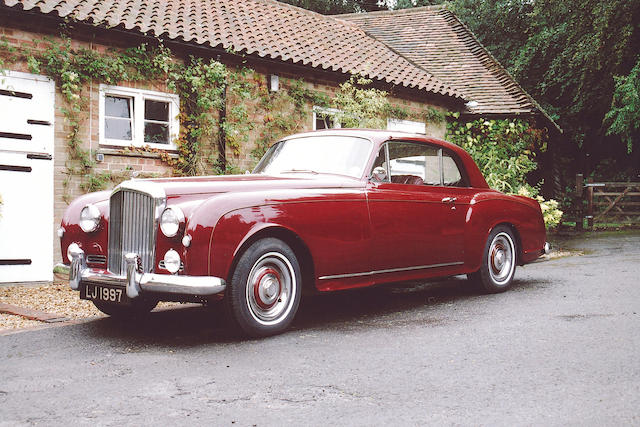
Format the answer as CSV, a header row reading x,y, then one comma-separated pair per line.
x,y
293,240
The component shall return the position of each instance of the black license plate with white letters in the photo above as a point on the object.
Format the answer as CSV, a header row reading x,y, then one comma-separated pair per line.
x,y
105,293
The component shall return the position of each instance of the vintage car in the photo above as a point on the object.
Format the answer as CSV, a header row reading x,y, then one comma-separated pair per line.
x,y
322,211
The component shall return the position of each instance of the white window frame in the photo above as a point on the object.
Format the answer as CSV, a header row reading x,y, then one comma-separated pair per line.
x,y
331,112
406,126
137,116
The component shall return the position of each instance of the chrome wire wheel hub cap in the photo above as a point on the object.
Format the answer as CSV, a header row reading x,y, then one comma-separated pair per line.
x,y
270,288
501,258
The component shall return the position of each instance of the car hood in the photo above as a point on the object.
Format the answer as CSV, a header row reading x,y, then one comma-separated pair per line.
x,y
199,187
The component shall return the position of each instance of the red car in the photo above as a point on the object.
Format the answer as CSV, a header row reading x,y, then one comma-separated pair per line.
x,y
322,211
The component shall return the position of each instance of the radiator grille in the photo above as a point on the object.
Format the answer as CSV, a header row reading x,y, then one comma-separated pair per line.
x,y
132,228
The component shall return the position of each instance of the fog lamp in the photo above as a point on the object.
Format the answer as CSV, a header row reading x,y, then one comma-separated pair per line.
x,y
172,261
73,248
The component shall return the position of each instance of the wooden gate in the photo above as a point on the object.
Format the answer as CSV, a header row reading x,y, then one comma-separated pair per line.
x,y
613,202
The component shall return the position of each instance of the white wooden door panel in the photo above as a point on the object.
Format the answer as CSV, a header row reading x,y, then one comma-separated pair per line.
x,y
26,177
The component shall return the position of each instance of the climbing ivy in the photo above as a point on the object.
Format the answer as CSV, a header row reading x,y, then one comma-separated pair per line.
x,y
219,106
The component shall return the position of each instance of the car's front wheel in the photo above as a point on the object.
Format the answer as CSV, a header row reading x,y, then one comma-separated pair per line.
x,y
264,292
498,261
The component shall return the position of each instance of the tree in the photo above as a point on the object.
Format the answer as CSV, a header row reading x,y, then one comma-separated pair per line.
x,y
624,117
565,54
406,4
334,7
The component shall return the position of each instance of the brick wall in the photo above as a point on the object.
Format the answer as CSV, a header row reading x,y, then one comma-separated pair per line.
x,y
118,161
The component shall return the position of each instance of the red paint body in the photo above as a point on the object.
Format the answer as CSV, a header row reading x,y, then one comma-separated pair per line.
x,y
352,228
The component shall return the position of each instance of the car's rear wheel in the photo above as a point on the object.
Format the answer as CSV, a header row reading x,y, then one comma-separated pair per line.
x,y
138,307
498,261
264,292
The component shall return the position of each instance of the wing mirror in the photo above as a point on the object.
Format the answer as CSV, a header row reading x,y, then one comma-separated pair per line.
x,y
379,174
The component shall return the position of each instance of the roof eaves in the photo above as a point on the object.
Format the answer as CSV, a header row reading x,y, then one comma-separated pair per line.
x,y
488,55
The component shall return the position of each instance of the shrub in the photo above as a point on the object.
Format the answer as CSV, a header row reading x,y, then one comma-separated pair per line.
x,y
504,150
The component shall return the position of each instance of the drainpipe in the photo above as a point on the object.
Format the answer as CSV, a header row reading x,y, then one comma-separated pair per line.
x,y
222,135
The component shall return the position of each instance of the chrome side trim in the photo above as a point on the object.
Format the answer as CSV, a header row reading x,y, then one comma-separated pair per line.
x,y
391,270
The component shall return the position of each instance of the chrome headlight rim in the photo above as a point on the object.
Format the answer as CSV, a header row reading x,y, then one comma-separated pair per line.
x,y
172,261
171,221
89,218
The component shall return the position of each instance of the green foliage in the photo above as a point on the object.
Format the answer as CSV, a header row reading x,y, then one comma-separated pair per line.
x,y
565,54
504,150
406,4
360,105
284,111
551,213
624,117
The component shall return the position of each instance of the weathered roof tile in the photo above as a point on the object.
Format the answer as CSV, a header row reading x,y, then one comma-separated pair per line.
x,y
264,27
435,40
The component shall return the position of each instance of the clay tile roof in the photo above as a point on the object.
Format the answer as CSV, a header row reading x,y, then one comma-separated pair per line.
x,y
265,28
433,38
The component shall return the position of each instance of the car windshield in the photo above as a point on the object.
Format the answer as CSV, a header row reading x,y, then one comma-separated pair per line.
x,y
342,155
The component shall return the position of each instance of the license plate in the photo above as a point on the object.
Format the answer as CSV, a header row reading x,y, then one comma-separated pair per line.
x,y
104,293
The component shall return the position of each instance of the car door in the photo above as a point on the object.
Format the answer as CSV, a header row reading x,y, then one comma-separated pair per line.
x,y
415,223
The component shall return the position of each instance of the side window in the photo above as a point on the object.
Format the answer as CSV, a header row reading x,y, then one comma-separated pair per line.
x,y
417,164
414,164
452,176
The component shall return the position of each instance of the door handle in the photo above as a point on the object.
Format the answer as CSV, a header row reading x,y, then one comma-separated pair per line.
x,y
449,200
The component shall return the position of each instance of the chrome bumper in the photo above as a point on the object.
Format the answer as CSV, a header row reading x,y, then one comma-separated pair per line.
x,y
136,282
547,248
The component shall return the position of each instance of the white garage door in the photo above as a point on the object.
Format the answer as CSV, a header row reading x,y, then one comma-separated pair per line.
x,y
26,177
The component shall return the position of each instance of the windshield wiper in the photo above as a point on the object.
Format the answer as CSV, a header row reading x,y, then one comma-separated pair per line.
x,y
300,171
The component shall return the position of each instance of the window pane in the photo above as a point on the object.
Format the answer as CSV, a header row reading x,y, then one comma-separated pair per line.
x,y
322,122
156,133
342,155
414,164
117,129
379,169
452,176
156,110
115,106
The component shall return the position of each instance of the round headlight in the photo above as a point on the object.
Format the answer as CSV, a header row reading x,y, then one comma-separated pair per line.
x,y
89,218
170,221
172,261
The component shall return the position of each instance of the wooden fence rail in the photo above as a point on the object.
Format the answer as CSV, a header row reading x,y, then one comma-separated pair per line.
x,y
608,202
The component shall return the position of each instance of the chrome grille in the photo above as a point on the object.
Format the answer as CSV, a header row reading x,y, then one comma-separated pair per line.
x,y
132,228
96,259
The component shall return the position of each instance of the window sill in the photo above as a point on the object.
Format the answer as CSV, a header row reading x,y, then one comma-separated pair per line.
x,y
136,152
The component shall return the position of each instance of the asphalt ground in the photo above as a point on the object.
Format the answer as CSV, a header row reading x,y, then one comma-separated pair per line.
x,y
562,347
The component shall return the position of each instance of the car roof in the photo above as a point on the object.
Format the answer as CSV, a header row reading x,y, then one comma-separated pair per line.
x,y
375,135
